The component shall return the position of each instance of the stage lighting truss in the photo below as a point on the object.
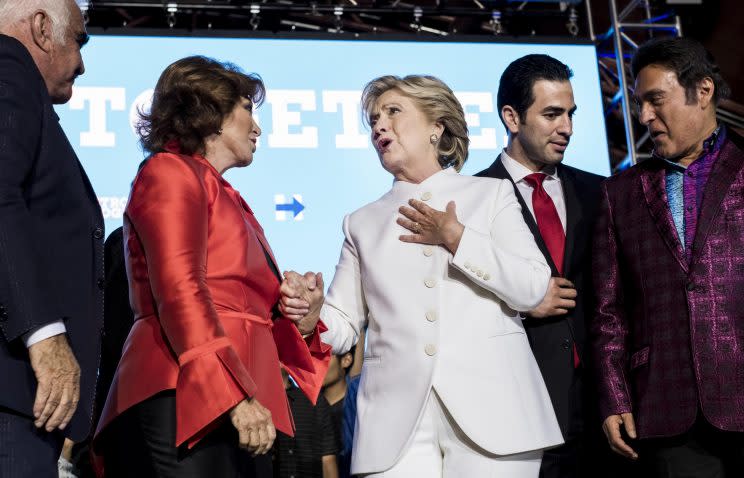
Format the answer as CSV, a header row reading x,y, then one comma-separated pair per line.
x,y
636,22
633,21
534,18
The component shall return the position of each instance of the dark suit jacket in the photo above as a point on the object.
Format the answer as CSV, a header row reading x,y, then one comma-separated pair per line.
x,y
552,339
668,333
51,237
118,316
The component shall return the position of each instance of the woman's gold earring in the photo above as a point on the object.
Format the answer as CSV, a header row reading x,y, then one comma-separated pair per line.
x,y
433,139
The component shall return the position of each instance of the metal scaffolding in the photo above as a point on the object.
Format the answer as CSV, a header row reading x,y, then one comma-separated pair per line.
x,y
632,22
624,45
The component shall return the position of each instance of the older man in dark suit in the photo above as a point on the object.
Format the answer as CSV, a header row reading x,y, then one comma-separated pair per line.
x,y
51,243
668,333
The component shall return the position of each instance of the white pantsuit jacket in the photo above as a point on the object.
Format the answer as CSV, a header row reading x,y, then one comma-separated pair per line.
x,y
441,321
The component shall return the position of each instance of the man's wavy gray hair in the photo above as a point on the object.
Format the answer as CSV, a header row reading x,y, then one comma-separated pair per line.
x,y
14,11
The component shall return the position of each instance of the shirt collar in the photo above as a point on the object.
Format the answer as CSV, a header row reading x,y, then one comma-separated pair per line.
x,y
672,166
519,171
714,139
712,142
431,181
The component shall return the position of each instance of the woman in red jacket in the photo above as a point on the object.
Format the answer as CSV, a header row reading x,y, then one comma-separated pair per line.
x,y
200,373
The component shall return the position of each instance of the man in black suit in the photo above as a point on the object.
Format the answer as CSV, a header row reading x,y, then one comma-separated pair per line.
x,y
536,103
51,243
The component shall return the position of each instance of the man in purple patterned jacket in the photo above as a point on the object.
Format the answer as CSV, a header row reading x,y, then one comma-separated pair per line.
x,y
668,329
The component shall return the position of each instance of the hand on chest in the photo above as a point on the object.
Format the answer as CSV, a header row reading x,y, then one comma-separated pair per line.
x,y
383,254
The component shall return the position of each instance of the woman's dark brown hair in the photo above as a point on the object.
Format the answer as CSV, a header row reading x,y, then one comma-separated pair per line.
x,y
191,100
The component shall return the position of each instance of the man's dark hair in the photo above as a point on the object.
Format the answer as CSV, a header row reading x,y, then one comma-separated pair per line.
x,y
688,59
351,351
515,86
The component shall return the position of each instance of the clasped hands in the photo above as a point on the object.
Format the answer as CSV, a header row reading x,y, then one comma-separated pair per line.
x,y
301,299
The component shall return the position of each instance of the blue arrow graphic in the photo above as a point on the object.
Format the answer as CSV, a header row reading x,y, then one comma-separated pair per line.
x,y
295,206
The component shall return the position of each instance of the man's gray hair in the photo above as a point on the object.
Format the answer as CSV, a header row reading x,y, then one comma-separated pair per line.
x,y
15,11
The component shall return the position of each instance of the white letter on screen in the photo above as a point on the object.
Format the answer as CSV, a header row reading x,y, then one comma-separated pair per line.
x,y
484,101
97,97
282,119
350,137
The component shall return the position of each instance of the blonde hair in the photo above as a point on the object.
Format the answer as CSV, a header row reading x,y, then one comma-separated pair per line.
x,y
58,11
438,103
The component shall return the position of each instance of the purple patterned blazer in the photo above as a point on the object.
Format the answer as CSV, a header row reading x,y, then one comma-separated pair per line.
x,y
668,334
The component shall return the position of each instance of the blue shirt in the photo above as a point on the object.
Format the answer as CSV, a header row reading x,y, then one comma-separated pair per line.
x,y
685,187
347,428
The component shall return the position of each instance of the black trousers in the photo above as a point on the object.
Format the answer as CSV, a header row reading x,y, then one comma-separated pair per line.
x,y
703,452
579,458
26,451
562,462
141,444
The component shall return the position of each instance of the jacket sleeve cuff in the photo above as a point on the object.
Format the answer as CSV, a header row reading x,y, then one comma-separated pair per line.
x,y
214,381
606,411
315,344
614,399
469,259
306,360
320,355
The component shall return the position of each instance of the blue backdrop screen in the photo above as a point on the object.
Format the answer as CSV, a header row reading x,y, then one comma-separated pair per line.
x,y
314,162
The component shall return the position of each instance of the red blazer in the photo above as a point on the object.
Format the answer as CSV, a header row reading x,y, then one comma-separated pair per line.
x,y
203,294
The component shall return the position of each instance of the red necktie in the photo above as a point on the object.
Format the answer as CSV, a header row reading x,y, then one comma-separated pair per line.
x,y
551,229
548,220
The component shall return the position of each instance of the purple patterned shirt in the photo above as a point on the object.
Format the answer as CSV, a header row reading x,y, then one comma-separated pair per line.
x,y
690,195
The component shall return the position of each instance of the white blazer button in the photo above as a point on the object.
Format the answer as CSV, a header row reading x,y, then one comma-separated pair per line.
x,y
430,283
426,196
430,349
428,251
431,316
486,276
479,273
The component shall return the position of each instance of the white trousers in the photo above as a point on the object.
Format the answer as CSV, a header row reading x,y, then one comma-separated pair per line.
x,y
440,449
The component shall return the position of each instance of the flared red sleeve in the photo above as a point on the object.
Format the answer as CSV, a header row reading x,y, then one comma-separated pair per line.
x,y
307,365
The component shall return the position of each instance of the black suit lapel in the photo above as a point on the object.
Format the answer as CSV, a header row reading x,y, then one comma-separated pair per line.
x,y
95,205
498,171
574,218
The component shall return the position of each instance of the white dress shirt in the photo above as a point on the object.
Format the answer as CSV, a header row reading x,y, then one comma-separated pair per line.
x,y
552,185
43,332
